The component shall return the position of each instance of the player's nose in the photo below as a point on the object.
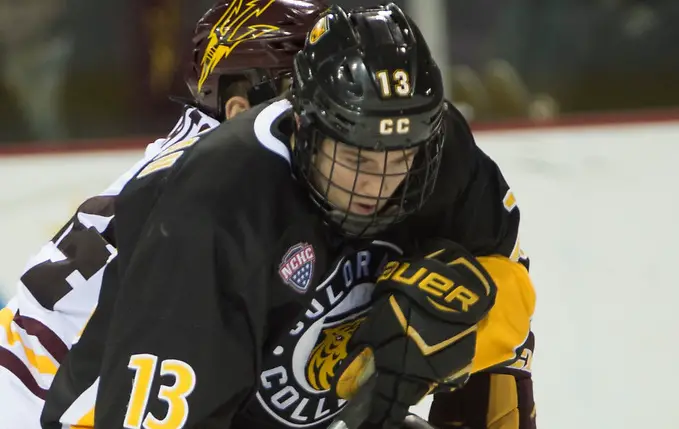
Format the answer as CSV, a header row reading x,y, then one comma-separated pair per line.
x,y
374,186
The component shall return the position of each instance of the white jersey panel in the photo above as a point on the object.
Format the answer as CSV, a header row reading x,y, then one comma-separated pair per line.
x,y
59,290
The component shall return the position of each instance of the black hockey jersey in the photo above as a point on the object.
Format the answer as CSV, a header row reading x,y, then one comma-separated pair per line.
x,y
230,303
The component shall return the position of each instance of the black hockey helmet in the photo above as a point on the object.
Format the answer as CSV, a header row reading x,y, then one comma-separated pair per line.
x,y
365,78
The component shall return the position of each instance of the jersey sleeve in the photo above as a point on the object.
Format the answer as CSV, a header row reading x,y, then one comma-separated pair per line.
x,y
70,400
484,217
184,341
56,294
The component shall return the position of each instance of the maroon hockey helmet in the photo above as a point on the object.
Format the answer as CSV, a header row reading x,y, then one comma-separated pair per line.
x,y
247,39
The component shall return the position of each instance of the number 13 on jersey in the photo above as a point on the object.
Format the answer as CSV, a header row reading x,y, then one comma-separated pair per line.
x,y
144,366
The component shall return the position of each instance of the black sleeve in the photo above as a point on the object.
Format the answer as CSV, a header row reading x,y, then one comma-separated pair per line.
x,y
484,216
184,341
490,215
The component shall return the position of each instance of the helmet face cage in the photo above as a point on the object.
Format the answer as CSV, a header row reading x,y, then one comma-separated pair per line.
x,y
343,107
336,181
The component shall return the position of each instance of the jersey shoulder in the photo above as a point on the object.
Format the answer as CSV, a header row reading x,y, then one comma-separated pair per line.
x,y
458,160
240,167
472,203
248,153
459,142
245,149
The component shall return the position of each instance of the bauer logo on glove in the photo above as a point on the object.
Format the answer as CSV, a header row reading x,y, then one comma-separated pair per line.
x,y
447,281
438,287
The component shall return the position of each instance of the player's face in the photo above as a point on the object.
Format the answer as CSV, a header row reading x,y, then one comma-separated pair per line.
x,y
359,181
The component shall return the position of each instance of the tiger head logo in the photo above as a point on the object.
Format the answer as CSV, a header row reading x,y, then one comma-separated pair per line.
x,y
330,350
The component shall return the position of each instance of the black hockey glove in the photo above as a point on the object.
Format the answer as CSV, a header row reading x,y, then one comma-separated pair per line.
x,y
421,331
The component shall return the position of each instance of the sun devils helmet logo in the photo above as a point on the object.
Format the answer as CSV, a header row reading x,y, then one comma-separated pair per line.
x,y
331,349
320,28
225,35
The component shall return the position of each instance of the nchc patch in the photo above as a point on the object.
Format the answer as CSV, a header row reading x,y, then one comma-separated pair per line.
x,y
297,266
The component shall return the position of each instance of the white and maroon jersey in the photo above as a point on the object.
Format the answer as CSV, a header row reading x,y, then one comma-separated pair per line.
x,y
59,290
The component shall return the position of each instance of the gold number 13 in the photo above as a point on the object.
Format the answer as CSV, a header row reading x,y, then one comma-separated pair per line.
x,y
175,396
398,82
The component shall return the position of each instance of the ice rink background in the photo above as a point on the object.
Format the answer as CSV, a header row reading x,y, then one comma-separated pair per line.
x,y
600,209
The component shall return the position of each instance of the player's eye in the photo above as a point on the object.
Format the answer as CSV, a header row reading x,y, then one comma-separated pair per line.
x,y
356,160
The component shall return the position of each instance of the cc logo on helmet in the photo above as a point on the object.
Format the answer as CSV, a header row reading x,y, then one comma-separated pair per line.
x,y
389,126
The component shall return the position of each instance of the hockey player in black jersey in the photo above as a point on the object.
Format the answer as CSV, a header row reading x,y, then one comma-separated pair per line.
x,y
349,233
